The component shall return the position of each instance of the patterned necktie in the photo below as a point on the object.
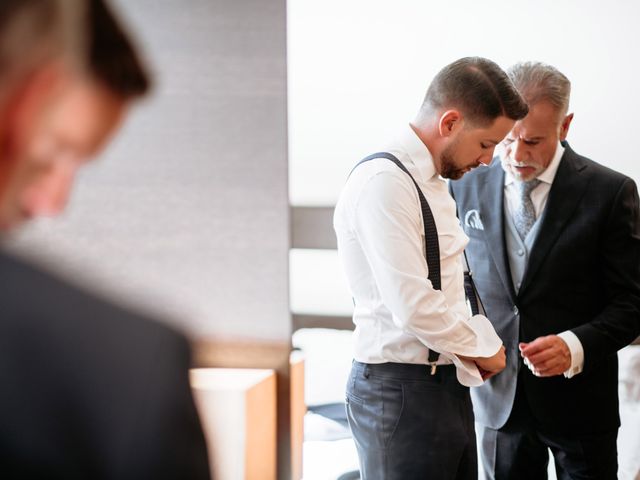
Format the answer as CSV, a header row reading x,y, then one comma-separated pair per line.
x,y
525,215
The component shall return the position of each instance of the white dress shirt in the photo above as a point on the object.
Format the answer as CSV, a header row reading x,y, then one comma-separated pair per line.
x,y
398,314
539,197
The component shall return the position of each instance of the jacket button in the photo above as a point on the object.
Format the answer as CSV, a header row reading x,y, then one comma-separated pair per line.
x,y
515,310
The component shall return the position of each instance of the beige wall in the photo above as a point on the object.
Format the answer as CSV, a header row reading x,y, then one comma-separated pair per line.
x,y
187,211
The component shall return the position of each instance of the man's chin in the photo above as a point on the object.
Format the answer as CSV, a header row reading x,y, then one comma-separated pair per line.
x,y
458,174
524,174
524,178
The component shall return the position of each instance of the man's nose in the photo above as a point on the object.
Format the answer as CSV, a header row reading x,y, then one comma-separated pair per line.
x,y
519,150
487,157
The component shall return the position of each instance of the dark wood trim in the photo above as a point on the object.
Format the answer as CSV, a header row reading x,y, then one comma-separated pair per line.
x,y
240,354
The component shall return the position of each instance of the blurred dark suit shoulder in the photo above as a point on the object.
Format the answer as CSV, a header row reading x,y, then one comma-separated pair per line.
x,y
89,389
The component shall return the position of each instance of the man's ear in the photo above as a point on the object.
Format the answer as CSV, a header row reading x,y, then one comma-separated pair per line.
x,y
564,128
450,122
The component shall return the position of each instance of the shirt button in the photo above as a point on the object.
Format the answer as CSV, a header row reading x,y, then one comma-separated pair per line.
x,y
518,285
520,252
515,310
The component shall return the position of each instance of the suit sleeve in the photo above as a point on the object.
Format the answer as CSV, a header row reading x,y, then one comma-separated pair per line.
x,y
619,322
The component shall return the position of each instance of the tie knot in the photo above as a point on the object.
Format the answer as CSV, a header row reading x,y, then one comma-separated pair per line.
x,y
525,188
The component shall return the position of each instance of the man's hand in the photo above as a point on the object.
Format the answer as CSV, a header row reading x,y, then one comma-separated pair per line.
x,y
546,356
489,366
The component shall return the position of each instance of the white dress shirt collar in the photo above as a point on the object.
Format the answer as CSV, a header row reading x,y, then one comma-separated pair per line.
x,y
417,152
548,174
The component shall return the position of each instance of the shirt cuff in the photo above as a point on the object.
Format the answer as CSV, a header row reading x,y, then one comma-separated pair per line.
x,y
577,353
487,344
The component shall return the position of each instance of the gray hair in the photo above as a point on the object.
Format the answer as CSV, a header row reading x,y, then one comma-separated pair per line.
x,y
537,81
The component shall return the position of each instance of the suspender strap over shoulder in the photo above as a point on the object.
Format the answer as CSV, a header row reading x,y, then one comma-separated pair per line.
x,y
432,245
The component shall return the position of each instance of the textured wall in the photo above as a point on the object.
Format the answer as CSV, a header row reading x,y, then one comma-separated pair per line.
x,y
187,211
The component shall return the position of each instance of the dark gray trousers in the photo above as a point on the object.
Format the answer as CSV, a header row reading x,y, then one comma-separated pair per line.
x,y
408,424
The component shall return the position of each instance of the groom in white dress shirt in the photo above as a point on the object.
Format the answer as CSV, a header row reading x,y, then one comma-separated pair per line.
x,y
416,348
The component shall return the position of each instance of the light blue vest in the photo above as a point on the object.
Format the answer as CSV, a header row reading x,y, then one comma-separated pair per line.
x,y
517,250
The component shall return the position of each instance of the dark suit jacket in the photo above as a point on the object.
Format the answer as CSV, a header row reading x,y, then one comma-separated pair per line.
x,y
89,390
583,275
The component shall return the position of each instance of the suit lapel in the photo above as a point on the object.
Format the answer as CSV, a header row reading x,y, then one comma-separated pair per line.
x,y
569,185
490,202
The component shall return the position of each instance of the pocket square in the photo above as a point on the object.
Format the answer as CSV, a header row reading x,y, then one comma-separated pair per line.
x,y
472,220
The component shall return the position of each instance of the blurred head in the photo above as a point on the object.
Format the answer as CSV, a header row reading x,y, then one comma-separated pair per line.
x,y
66,103
469,107
530,146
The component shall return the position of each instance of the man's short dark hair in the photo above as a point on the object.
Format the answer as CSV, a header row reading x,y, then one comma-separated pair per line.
x,y
112,58
477,87
34,31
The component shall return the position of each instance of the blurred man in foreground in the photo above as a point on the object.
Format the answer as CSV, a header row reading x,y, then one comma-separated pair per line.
x,y
89,390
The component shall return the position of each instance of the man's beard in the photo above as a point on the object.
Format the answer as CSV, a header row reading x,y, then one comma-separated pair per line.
x,y
448,167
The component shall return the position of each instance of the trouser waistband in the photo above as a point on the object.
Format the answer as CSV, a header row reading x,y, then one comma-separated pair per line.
x,y
405,371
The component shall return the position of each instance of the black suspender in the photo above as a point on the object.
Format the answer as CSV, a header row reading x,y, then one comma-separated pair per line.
x,y
432,245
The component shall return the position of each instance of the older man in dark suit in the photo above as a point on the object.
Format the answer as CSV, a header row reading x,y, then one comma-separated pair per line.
x,y
88,390
555,252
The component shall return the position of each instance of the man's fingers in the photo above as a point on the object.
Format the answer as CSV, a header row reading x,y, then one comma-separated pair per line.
x,y
550,372
543,346
547,364
539,344
546,356
555,365
546,372
533,348
543,356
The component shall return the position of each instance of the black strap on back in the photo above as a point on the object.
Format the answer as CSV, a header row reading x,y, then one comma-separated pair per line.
x,y
470,290
431,243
